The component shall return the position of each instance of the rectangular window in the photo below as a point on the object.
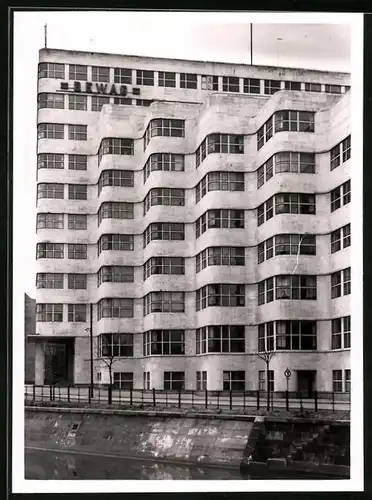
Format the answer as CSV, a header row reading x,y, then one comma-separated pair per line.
x,y
294,121
262,385
51,70
117,210
50,190
201,381
348,381
164,342
251,86
346,324
144,102
123,76
77,222
313,87
295,335
146,381
234,381
78,102
145,77
123,380
115,345
53,101
164,196
167,79
163,161
164,265
341,330
220,256
77,251
290,287
272,86
100,74
49,221
333,89
115,308
118,178
346,149
221,339
341,238
116,274
164,127
230,84
220,181
188,81
174,381
219,218
167,302
78,132
98,102
78,72
299,163
77,281
50,131
50,251
115,146
49,280
121,242
123,101
220,295
292,85
341,283
209,82
49,313
77,162
340,153
77,313
77,192
287,244
337,380
164,231
50,160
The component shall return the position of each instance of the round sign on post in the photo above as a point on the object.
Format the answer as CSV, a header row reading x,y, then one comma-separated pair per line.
x,y
287,373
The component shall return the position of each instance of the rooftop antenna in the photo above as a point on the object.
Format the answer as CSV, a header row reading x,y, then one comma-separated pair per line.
x,y
45,35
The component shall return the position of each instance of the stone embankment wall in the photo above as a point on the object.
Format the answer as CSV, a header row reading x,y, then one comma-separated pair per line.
x,y
217,441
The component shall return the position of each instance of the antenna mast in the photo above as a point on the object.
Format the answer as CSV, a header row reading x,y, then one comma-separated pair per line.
x,y
251,43
45,35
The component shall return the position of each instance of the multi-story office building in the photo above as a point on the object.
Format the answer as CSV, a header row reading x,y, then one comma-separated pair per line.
x,y
203,210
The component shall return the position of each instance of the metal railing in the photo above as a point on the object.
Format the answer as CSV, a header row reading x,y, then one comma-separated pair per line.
x,y
231,400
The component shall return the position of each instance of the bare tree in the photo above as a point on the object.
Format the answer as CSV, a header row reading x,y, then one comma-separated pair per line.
x,y
266,356
107,353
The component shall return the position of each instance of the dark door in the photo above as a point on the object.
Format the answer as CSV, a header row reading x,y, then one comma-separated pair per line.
x,y
306,382
57,363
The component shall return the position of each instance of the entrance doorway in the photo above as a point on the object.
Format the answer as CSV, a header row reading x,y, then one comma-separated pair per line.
x,y
59,354
306,382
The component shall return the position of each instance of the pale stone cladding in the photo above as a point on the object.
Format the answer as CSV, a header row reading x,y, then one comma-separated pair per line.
x,y
204,112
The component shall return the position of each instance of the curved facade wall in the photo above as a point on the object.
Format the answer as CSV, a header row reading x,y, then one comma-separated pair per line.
x,y
129,240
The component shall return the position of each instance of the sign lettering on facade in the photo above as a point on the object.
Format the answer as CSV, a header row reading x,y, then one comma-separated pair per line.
x,y
100,88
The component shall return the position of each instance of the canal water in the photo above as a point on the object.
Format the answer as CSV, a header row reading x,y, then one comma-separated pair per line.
x,y
61,465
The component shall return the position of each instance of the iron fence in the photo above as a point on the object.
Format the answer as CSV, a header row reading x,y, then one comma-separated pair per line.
x,y
242,400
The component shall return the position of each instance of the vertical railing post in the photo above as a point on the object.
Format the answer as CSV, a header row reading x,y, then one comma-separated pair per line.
x,y
179,398
316,401
230,399
206,398
301,407
131,396
50,393
333,401
68,393
33,392
142,397
258,399
153,398
192,399
218,400
244,401
166,399
78,394
287,400
89,395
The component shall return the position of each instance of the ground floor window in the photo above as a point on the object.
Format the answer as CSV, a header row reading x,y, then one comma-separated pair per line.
x,y
234,381
337,380
347,380
146,381
201,381
262,385
174,381
123,380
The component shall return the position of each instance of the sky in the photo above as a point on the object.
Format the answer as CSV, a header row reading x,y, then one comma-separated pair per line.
x,y
204,36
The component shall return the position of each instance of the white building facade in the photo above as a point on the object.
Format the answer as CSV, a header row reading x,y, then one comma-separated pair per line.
x,y
202,211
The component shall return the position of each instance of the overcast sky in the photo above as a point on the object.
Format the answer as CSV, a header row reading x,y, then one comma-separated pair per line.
x,y
202,36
